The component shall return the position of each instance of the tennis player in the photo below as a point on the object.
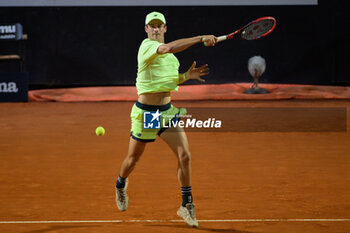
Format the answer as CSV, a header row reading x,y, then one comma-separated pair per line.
x,y
158,75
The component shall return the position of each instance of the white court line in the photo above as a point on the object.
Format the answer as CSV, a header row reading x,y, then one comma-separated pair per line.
x,y
156,221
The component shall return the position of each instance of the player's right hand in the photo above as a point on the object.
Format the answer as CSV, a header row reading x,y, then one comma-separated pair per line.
x,y
209,40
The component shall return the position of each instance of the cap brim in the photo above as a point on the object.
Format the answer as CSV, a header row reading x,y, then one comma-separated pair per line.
x,y
156,20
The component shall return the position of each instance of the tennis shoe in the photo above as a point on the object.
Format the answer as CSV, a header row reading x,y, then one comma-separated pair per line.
x,y
188,215
121,197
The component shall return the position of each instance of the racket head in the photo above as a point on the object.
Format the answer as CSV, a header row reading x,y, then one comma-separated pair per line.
x,y
258,28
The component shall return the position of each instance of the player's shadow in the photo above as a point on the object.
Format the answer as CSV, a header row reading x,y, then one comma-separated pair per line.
x,y
205,229
60,227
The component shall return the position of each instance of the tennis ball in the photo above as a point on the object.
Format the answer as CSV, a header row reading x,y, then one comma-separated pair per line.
x,y
100,131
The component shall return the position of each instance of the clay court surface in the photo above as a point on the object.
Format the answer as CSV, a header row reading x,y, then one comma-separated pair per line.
x,y
54,168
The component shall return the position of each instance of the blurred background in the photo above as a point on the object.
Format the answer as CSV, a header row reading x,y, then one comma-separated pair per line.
x,y
95,43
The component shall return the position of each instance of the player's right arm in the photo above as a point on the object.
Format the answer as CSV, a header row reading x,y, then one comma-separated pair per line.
x,y
183,44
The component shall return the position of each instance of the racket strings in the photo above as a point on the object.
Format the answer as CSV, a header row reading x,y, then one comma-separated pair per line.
x,y
257,29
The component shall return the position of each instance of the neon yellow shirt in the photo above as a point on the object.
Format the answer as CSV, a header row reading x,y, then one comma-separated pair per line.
x,y
156,72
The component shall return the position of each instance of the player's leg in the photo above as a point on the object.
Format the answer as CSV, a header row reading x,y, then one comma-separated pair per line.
x,y
177,141
135,151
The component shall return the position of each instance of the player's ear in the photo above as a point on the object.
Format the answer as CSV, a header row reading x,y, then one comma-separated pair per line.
x,y
146,28
165,28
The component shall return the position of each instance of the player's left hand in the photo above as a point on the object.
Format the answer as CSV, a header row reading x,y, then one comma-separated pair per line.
x,y
196,73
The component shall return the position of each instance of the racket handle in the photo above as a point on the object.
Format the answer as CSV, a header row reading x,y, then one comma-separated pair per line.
x,y
221,38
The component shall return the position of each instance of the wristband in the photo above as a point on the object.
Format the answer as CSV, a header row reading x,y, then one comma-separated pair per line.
x,y
182,78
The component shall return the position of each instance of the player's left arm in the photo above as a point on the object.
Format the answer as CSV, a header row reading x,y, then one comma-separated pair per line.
x,y
194,73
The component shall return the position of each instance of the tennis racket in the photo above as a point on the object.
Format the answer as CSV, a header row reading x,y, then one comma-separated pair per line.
x,y
254,30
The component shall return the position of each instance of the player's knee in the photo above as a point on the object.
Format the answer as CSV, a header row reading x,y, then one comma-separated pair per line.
x,y
184,157
133,159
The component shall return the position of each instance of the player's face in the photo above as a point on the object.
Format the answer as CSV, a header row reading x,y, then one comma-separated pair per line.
x,y
155,30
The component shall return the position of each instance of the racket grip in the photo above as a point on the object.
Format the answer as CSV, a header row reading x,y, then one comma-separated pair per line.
x,y
221,38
